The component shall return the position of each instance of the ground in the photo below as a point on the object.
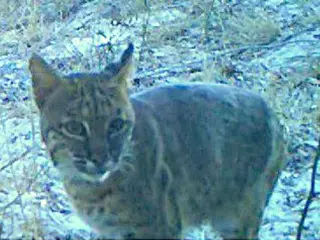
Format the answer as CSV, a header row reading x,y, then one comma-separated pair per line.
x,y
271,47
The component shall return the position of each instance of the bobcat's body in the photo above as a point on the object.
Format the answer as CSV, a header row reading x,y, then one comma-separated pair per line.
x,y
180,156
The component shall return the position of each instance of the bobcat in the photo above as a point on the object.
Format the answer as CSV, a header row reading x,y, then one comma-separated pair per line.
x,y
152,164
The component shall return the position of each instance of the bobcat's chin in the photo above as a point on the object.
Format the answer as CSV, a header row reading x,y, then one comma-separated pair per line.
x,y
93,178
94,174
83,177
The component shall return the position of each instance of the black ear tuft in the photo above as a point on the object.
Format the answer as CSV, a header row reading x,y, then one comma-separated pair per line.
x,y
127,54
121,71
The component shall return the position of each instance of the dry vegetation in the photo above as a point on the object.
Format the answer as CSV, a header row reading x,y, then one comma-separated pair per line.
x,y
222,32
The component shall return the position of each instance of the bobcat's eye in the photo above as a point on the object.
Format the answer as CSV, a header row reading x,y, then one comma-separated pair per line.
x,y
117,125
74,128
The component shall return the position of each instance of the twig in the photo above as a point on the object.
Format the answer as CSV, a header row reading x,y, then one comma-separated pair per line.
x,y
312,193
261,47
23,192
145,26
1,229
15,160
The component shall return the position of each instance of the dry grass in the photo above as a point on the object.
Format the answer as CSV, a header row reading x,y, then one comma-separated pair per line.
x,y
251,28
29,23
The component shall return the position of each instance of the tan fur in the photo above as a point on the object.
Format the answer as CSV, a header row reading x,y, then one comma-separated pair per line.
x,y
153,164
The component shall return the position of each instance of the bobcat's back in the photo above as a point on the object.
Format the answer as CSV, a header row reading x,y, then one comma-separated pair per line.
x,y
213,151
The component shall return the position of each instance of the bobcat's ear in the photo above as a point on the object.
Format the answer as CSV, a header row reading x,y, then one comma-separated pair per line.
x,y
125,67
44,79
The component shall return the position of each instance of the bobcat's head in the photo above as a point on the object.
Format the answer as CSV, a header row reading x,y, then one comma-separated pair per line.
x,y
86,118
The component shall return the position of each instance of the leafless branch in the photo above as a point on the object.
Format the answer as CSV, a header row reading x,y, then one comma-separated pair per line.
x,y
15,160
312,193
25,190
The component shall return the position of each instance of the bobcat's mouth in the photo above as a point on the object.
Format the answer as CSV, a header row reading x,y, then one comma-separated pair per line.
x,y
94,169
98,171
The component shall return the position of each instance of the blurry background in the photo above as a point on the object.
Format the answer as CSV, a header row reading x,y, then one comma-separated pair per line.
x,y
272,47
